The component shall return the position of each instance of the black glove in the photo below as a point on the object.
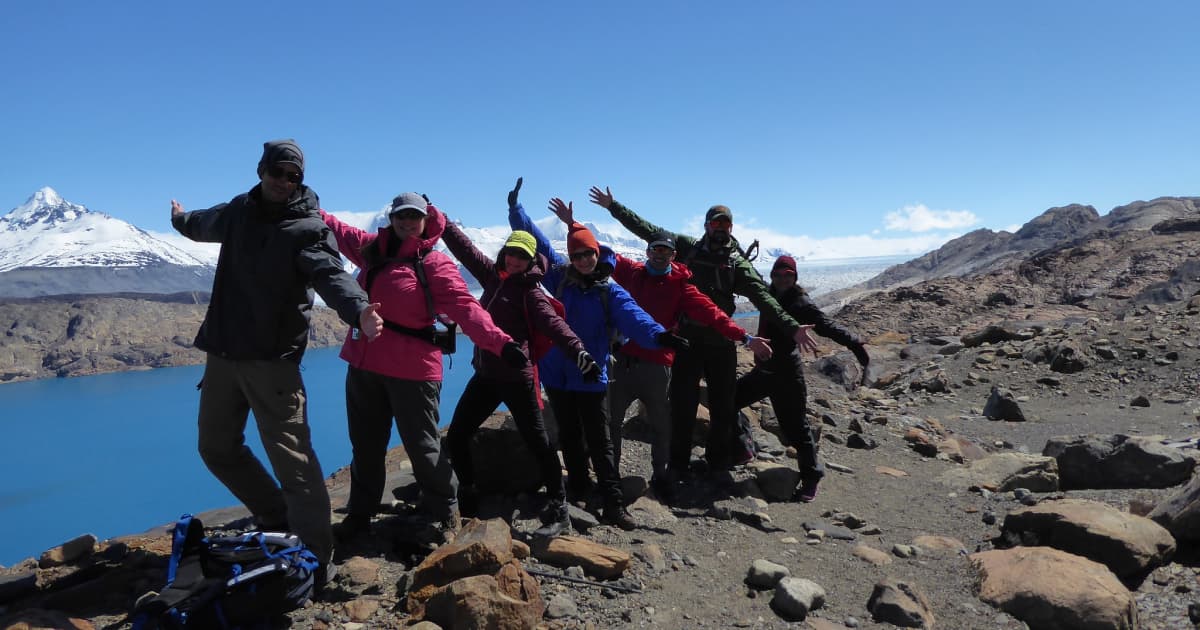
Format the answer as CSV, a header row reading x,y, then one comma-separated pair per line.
x,y
512,194
589,367
514,356
672,341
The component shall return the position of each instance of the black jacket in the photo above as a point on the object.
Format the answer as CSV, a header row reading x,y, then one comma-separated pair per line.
x,y
797,303
272,255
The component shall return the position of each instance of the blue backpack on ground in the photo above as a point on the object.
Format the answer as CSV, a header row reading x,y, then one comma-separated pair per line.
x,y
230,582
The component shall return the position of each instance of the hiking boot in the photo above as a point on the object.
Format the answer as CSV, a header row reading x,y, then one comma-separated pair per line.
x,y
663,487
618,516
450,526
352,527
556,520
807,492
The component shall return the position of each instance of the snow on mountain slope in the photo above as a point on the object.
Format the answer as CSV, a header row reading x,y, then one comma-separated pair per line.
x,y
47,231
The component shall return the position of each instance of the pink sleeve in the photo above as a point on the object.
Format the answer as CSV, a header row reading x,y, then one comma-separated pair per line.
x,y
450,296
350,239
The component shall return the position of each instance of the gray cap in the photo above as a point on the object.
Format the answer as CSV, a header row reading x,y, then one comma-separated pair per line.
x,y
409,201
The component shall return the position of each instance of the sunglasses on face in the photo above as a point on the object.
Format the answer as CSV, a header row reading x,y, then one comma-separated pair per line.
x,y
278,172
782,274
587,253
516,253
661,250
720,223
407,215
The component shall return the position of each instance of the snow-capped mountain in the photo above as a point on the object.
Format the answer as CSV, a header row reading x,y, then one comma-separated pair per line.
x,y
51,246
48,231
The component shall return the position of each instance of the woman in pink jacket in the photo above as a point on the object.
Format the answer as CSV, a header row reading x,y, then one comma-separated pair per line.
x,y
399,374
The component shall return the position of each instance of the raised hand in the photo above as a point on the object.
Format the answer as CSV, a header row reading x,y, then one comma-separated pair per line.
x,y
564,211
804,341
512,194
370,323
176,209
602,198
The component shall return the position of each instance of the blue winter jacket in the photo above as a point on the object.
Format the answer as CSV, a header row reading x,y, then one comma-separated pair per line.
x,y
586,313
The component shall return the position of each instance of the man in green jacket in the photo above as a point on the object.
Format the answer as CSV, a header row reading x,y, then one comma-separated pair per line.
x,y
720,270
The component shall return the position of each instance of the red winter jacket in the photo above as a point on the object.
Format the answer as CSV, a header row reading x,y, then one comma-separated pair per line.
x,y
667,298
402,300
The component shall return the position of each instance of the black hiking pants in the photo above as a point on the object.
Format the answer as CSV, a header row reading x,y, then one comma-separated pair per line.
x,y
717,364
480,398
783,382
584,416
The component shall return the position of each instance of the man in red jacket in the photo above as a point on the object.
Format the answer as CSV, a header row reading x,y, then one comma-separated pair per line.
x,y
662,288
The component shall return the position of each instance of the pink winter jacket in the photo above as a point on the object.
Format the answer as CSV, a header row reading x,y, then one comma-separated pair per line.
x,y
402,300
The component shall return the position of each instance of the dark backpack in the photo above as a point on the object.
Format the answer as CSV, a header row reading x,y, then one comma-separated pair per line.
x,y
230,582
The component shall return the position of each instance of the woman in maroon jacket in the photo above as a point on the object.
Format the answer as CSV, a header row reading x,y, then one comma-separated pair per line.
x,y
399,374
512,297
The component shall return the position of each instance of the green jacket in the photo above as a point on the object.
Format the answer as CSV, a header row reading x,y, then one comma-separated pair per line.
x,y
718,273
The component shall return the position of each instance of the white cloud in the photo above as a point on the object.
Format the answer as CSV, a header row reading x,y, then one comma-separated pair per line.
x,y
920,218
835,247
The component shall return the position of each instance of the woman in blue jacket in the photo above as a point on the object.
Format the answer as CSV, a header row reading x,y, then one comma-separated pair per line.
x,y
595,307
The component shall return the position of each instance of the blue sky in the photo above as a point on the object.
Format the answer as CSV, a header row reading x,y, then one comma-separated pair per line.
x,y
849,128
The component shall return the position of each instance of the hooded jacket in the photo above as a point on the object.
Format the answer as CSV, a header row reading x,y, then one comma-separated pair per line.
x,y
591,315
719,273
516,303
397,290
272,256
666,298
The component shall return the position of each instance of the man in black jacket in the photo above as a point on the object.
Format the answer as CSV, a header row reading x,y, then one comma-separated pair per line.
x,y
274,250
782,376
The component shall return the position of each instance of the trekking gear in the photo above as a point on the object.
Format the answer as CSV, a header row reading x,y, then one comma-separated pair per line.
x,y
556,520
446,339
618,516
241,581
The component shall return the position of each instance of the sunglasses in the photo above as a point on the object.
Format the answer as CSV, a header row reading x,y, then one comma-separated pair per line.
x,y
782,274
588,253
518,253
721,222
407,215
278,172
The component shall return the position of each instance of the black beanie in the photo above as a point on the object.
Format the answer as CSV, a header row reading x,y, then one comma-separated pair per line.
x,y
285,150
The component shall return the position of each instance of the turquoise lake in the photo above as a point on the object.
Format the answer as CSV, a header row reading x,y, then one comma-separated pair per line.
x,y
115,454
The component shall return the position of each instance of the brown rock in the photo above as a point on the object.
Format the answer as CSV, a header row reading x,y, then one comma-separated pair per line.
x,y
39,619
514,581
1129,545
1048,588
359,571
596,559
872,555
520,550
477,602
900,604
480,548
891,472
70,551
938,543
361,609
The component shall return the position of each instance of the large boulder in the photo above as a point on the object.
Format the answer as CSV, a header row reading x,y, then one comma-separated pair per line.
x,y
503,462
1130,546
568,551
1117,461
1004,472
479,602
1050,589
1002,405
1180,513
900,604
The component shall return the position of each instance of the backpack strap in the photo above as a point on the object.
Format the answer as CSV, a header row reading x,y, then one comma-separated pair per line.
x,y
186,581
418,263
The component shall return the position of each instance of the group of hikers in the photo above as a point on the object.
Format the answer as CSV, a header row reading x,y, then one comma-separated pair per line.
x,y
595,329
